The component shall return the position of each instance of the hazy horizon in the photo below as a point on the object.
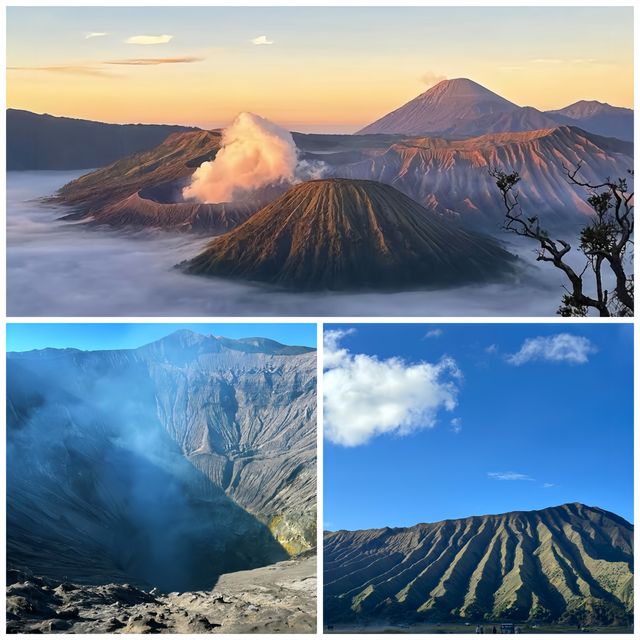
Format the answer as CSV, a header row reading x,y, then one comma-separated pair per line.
x,y
321,69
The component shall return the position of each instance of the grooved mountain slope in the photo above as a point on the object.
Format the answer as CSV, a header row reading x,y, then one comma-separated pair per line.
x,y
166,465
570,563
452,176
144,190
176,157
346,234
448,176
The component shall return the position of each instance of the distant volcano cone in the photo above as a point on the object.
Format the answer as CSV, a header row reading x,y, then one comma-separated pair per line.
x,y
449,104
351,234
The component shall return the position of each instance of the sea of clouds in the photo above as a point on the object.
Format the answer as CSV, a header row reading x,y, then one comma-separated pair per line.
x,y
58,268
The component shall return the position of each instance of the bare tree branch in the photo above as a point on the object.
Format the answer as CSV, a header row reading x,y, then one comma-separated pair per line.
x,y
604,241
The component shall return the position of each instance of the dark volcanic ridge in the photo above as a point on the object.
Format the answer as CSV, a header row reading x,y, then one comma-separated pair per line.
x,y
570,564
44,142
340,234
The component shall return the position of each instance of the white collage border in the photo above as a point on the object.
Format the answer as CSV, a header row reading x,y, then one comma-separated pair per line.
x,y
319,321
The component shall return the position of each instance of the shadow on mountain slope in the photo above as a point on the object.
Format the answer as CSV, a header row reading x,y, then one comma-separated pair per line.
x,y
98,492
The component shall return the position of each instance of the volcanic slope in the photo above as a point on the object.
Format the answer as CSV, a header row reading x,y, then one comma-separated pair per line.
x,y
448,176
42,142
570,564
176,157
444,106
144,190
522,119
351,234
599,117
452,176
165,465
460,108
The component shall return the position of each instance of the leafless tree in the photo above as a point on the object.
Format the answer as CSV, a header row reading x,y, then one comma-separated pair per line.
x,y
606,242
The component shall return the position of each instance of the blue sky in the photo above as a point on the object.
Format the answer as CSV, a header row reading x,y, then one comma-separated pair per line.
x,y
90,336
519,419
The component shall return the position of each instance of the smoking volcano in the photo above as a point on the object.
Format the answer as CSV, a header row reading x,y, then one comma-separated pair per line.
x,y
146,190
163,466
255,153
202,181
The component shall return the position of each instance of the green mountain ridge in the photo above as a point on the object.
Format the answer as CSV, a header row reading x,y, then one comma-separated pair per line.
x,y
568,564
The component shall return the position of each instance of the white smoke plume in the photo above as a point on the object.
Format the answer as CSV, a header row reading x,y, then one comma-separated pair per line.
x,y
255,153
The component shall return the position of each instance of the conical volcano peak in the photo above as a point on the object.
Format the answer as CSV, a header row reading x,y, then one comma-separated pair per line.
x,y
343,234
446,105
460,87
343,188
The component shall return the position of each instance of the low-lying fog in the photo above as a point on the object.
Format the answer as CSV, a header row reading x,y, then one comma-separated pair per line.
x,y
63,269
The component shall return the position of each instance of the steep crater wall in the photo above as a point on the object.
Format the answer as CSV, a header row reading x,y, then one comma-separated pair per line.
x,y
102,485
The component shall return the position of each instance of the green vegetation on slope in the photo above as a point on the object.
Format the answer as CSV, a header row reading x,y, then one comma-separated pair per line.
x,y
570,564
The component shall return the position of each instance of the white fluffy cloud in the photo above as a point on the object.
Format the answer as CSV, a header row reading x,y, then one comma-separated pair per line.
x,y
161,39
334,354
433,333
95,34
562,347
456,425
261,40
508,475
365,396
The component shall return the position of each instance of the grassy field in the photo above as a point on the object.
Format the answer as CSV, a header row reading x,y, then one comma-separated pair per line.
x,y
460,627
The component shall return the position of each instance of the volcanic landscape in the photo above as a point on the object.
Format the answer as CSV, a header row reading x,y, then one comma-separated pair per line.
x,y
406,205
170,487
569,565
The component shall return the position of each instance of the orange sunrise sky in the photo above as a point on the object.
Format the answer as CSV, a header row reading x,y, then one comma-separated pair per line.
x,y
311,69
